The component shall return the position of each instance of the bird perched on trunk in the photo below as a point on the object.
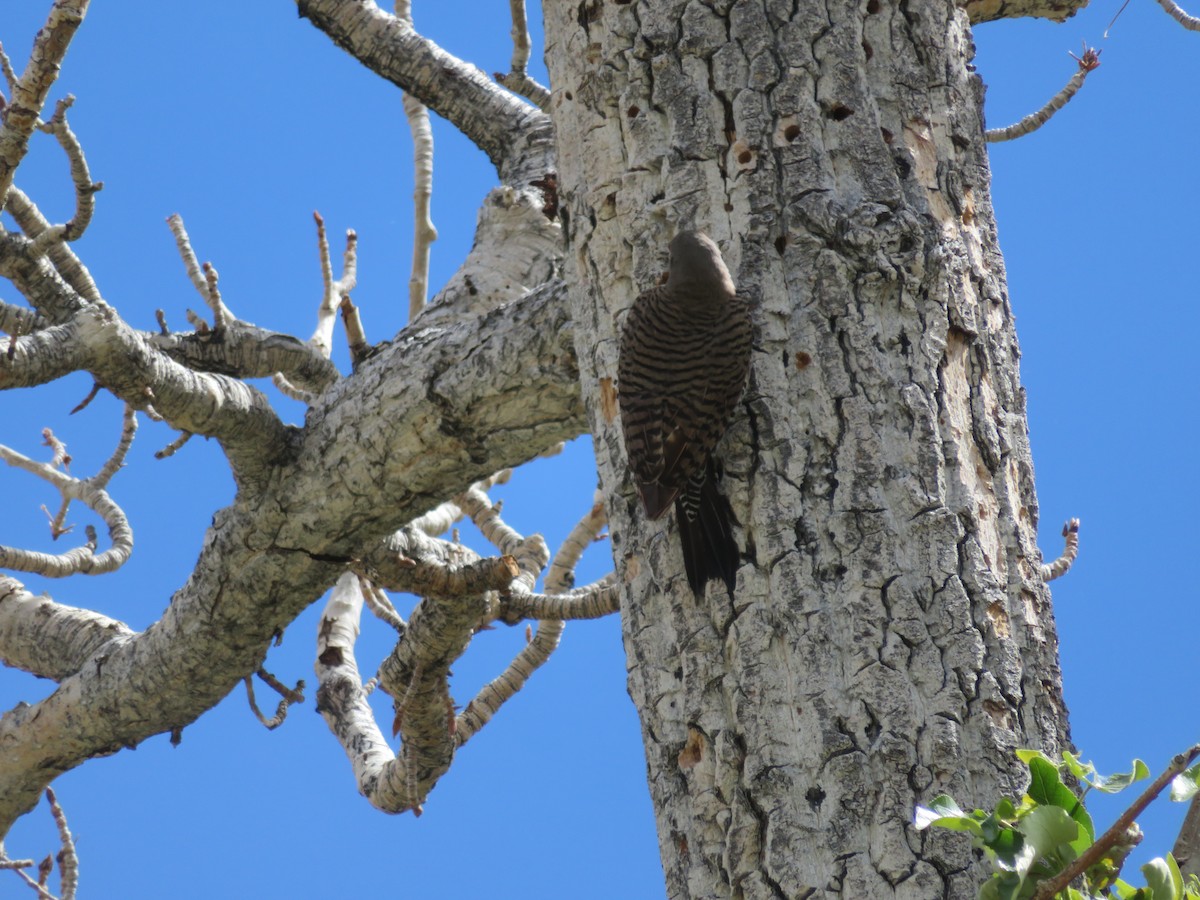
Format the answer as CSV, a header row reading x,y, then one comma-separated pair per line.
x,y
685,358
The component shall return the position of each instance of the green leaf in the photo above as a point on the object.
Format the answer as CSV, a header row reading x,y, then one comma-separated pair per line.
x,y
945,813
1112,784
1075,767
1186,785
1126,891
1163,879
1046,830
1005,843
1004,886
1028,756
1005,811
1047,789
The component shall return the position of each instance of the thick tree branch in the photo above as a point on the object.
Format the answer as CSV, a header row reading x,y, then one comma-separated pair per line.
x,y
242,350
38,279
990,10
518,138
123,360
49,639
436,410
36,226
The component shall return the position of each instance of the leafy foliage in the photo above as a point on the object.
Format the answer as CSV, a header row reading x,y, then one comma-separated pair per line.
x,y
1031,841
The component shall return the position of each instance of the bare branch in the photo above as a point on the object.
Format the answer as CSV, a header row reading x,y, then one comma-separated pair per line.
x,y
393,438
424,234
517,137
517,79
85,188
49,639
990,10
289,695
601,598
355,336
127,363
383,778
213,297
68,861
19,320
31,89
1191,23
10,76
117,460
1032,122
174,447
377,601
1060,566
91,493
35,225
322,338
538,649
191,264
243,350
321,343
517,248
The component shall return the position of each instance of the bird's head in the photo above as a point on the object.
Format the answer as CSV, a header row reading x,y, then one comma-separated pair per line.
x,y
697,266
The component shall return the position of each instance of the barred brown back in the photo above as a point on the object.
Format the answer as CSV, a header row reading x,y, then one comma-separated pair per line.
x,y
685,358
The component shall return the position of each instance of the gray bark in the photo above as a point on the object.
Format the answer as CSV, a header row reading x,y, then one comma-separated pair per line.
x,y
890,637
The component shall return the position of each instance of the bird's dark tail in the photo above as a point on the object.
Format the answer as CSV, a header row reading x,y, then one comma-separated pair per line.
x,y
706,533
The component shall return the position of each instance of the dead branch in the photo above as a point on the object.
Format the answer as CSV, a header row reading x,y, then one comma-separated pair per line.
x,y
1062,565
1032,122
517,79
1191,23
29,92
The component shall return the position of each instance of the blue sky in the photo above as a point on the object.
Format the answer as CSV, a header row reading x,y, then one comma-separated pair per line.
x,y
243,119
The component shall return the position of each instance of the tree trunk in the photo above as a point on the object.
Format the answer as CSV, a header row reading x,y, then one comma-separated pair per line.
x,y
890,637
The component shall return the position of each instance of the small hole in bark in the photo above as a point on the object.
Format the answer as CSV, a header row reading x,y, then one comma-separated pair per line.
x,y
744,157
868,50
887,135
872,7
791,132
815,797
840,112
632,111
568,95
803,360
780,243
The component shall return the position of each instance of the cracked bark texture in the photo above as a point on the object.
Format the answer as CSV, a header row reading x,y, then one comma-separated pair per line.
x,y
892,638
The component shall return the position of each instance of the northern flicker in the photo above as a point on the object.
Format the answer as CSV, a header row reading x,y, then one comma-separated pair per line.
x,y
685,358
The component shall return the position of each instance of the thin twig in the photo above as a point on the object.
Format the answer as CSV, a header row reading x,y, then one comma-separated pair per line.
x,y
424,233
